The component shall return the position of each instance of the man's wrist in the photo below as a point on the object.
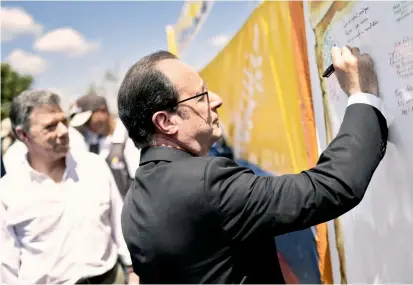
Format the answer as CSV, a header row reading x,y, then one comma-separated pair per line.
x,y
129,269
365,98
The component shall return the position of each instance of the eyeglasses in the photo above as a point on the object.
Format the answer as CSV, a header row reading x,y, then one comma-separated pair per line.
x,y
193,97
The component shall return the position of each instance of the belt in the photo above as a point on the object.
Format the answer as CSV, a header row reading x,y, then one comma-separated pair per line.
x,y
108,277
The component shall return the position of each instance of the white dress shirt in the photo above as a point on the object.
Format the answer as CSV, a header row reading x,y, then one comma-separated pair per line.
x,y
58,233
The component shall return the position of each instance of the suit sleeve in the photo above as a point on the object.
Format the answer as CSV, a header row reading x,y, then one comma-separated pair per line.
x,y
251,205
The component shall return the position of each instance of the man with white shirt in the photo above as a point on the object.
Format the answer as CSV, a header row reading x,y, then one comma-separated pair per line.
x,y
60,211
107,137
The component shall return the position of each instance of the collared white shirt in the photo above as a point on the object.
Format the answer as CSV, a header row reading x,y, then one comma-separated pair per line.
x,y
58,233
132,153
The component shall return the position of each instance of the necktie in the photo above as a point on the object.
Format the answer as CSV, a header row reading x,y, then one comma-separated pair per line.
x,y
94,148
94,144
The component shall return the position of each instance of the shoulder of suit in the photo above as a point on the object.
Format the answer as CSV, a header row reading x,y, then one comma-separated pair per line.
x,y
200,164
218,159
208,159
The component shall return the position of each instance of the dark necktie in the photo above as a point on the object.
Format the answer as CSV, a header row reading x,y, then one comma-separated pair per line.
x,y
94,145
94,148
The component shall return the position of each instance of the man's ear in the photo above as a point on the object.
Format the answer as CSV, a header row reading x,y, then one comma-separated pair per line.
x,y
21,134
164,122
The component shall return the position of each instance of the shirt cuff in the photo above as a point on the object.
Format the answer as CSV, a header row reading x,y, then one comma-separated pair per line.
x,y
372,100
126,260
364,98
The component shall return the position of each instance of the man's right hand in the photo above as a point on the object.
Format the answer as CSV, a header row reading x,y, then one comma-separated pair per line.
x,y
355,73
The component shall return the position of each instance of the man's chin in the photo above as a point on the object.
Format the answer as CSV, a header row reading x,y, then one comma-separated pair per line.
x,y
216,135
57,155
63,150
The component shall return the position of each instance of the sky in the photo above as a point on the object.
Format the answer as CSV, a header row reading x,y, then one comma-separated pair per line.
x,y
66,46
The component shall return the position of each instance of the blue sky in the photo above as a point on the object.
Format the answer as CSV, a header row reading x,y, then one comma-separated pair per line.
x,y
68,45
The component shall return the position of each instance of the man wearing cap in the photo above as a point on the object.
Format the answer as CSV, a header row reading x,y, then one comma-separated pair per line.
x,y
107,137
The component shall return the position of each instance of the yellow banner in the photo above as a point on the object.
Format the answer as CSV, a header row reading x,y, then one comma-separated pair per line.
x,y
262,76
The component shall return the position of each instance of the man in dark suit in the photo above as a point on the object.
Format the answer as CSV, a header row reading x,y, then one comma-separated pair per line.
x,y
190,218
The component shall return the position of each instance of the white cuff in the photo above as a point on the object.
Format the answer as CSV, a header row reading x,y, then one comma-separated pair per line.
x,y
365,98
370,99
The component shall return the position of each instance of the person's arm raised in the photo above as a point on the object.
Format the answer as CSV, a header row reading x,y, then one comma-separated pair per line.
x,y
250,205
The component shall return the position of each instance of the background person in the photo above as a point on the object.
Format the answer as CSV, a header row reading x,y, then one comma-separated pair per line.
x,y
107,137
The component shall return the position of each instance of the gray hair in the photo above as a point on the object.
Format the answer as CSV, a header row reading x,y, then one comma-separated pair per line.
x,y
23,105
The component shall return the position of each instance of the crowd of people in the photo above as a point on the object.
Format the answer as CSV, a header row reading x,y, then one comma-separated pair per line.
x,y
90,199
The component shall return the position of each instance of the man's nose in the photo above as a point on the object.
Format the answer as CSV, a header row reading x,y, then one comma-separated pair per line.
x,y
214,100
62,130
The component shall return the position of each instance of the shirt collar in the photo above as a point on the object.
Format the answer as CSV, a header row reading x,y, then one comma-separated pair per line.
x,y
162,153
71,165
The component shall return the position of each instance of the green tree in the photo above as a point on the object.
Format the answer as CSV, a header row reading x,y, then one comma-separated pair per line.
x,y
12,84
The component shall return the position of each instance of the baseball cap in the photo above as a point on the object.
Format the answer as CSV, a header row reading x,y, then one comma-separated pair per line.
x,y
83,108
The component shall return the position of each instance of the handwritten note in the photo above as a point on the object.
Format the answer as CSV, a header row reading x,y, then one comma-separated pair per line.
x,y
404,97
332,92
358,23
401,58
402,10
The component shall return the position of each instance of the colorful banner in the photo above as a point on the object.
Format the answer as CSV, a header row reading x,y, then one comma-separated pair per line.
x,y
190,21
263,78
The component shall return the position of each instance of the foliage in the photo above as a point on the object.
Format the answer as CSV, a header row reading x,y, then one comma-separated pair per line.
x,y
12,84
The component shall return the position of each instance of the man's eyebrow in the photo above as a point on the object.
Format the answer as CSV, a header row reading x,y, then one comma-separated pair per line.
x,y
51,121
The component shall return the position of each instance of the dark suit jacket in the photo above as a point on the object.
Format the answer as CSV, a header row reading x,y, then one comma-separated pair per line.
x,y
206,220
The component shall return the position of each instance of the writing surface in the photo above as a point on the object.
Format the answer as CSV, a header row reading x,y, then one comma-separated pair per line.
x,y
377,233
